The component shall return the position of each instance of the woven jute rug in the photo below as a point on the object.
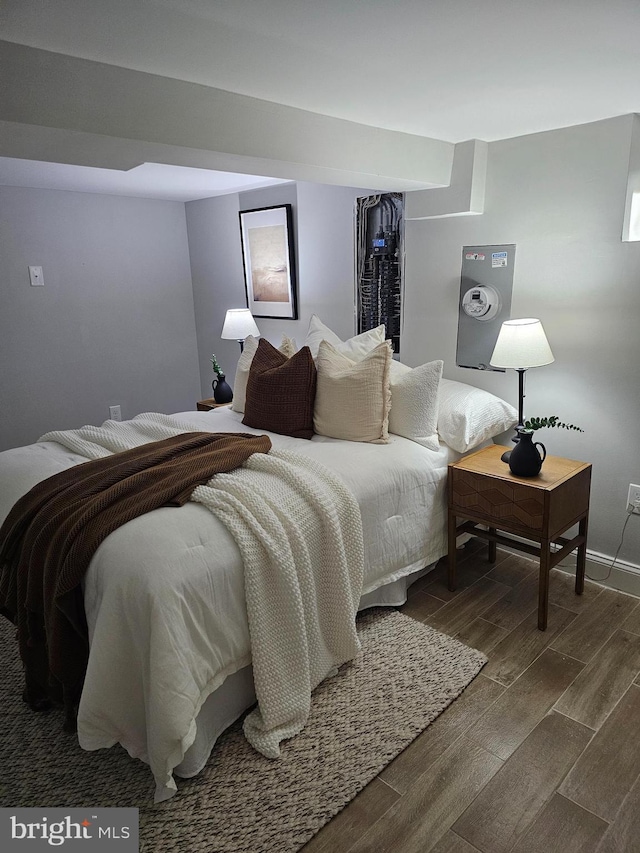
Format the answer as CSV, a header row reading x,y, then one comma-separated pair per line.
x,y
361,718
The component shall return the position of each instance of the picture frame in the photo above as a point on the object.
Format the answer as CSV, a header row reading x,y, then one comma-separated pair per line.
x,y
269,261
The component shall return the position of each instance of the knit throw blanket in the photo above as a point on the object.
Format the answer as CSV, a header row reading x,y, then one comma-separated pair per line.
x,y
299,530
52,532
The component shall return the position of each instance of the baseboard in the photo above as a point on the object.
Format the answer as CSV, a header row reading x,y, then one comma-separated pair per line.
x,y
624,576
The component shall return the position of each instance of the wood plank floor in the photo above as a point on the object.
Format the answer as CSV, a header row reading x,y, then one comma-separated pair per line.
x,y
541,753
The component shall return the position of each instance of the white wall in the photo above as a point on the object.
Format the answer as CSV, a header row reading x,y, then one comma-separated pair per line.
x,y
559,196
114,322
324,245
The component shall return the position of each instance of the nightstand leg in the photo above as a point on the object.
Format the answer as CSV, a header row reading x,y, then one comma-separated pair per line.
x,y
543,589
451,555
492,547
581,560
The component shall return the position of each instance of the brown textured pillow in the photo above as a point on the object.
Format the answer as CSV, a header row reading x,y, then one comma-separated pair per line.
x,y
281,391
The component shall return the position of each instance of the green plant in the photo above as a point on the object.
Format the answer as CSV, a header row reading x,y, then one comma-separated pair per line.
x,y
553,421
214,364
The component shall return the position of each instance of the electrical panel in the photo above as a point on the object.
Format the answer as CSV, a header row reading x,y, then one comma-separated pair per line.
x,y
486,284
379,221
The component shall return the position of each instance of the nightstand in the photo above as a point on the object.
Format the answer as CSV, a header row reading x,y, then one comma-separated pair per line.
x,y
483,491
209,404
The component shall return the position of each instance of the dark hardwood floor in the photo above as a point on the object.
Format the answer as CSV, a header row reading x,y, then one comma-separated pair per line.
x,y
541,753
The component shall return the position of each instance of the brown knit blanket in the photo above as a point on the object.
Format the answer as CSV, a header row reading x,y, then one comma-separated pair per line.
x,y
52,532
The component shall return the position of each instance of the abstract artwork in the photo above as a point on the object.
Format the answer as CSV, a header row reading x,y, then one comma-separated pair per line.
x,y
269,268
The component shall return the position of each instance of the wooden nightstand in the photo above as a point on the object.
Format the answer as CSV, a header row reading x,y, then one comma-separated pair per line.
x,y
483,491
209,404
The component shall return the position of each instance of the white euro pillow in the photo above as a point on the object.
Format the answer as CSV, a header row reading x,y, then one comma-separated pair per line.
x,y
414,402
352,397
356,347
287,347
467,415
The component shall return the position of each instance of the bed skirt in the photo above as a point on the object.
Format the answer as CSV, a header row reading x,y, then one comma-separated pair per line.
x,y
226,704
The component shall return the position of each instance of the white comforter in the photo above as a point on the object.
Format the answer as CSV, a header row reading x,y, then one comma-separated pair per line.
x,y
165,592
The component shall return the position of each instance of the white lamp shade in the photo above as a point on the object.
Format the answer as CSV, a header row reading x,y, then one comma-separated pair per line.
x,y
521,344
239,324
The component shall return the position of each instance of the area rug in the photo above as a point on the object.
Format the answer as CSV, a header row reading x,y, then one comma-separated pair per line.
x,y
405,676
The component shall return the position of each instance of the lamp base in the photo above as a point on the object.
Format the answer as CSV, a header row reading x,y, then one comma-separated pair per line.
x,y
516,438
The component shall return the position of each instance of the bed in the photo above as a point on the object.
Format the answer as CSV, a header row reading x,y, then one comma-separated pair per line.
x,y
170,661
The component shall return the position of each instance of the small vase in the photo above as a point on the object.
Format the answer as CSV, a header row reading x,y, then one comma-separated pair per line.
x,y
222,392
525,459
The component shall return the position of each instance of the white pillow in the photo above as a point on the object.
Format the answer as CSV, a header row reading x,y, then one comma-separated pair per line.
x,y
356,347
414,402
287,347
468,416
353,398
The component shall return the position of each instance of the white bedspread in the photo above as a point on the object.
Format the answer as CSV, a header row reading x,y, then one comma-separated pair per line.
x,y
182,566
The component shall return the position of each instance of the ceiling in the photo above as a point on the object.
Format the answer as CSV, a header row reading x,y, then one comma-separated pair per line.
x,y
150,180
448,69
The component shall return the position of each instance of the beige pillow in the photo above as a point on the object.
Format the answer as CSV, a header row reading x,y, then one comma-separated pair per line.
x,y
353,398
287,347
414,402
356,347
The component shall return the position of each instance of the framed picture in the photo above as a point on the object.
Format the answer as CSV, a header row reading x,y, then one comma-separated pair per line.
x,y
269,263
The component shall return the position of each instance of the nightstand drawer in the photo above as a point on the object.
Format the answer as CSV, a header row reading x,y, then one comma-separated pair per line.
x,y
569,501
497,502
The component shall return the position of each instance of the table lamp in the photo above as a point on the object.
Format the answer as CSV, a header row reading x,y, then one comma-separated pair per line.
x,y
521,344
238,325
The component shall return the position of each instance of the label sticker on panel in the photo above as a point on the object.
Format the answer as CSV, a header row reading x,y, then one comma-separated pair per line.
x,y
498,259
474,256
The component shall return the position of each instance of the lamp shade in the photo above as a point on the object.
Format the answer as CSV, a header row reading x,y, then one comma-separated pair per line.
x,y
521,344
239,324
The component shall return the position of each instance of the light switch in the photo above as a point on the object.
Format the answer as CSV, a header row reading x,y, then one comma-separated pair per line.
x,y
36,277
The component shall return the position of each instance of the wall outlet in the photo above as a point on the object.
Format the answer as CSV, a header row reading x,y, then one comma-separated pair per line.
x,y
36,277
116,415
633,499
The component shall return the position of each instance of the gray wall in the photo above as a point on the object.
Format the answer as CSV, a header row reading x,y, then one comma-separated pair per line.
x,y
324,243
114,322
216,273
559,196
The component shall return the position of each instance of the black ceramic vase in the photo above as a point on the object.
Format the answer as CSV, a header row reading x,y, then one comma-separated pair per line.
x,y
222,392
525,459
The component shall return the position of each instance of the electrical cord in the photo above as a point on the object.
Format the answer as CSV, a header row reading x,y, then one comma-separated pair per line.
x,y
630,512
